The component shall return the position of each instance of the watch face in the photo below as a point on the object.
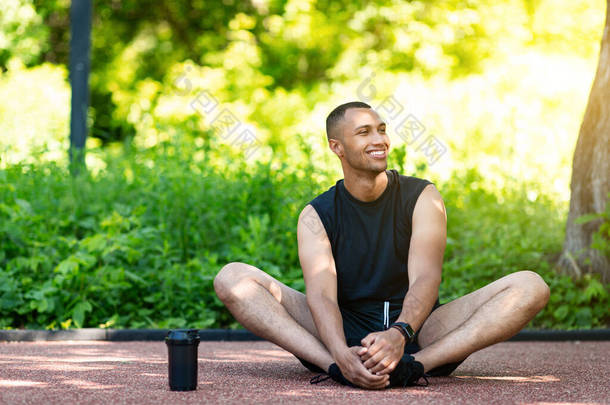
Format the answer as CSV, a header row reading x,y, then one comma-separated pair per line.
x,y
409,330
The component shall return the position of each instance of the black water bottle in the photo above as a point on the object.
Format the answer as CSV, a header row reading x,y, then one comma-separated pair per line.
x,y
182,347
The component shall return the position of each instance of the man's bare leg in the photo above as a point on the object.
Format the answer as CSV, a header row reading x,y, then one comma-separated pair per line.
x,y
486,316
272,311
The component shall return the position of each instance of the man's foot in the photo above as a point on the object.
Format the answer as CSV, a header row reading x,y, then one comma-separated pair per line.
x,y
335,373
407,372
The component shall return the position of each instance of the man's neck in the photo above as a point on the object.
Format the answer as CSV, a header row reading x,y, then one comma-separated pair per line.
x,y
366,188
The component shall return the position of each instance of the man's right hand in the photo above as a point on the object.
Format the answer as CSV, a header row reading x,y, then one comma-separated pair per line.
x,y
352,368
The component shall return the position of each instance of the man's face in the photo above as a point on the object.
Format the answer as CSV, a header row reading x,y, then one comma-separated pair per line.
x,y
365,142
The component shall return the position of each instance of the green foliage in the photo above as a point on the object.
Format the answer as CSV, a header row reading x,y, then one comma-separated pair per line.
x,y
492,233
137,241
138,245
22,34
41,92
295,45
601,237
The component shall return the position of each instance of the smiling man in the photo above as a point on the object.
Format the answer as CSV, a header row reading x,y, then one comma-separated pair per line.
x,y
371,250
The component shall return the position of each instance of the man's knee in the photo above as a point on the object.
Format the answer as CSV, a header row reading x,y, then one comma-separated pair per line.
x,y
533,289
229,278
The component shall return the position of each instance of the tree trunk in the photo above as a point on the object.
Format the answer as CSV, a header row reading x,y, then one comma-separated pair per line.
x,y
590,182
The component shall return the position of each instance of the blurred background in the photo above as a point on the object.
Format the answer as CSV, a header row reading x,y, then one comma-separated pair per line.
x,y
206,139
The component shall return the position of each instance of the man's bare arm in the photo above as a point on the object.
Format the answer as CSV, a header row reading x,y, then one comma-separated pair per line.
x,y
319,273
320,277
427,247
426,251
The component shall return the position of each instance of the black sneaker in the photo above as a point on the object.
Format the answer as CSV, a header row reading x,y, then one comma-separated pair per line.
x,y
333,372
407,373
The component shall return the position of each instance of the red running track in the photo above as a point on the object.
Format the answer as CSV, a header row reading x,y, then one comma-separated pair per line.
x,y
98,372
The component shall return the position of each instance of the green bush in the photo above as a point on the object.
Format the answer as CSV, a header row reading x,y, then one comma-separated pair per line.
x,y
491,234
601,237
138,244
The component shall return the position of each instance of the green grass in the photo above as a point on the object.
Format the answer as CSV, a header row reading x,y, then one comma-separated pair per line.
x,y
138,244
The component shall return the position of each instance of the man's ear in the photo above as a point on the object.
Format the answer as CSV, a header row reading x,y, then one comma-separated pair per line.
x,y
336,147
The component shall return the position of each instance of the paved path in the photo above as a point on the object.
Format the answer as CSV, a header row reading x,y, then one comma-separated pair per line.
x,y
97,372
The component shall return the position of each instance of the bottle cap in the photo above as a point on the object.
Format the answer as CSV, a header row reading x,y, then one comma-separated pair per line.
x,y
182,336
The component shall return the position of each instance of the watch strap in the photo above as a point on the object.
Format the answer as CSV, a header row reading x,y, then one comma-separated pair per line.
x,y
405,329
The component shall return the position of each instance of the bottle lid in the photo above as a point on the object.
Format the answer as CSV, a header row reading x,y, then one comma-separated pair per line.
x,y
182,336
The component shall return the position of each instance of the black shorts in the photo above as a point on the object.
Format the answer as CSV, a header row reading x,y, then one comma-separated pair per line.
x,y
375,317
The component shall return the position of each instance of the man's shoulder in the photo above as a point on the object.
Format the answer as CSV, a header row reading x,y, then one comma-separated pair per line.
x,y
411,188
324,205
325,199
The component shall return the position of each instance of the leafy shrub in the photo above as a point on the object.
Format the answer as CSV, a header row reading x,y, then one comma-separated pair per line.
x,y
601,237
139,243
492,233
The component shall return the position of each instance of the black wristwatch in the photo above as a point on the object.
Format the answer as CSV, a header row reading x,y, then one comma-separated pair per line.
x,y
405,329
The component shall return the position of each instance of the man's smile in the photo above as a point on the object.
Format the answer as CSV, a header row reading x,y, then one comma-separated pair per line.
x,y
377,154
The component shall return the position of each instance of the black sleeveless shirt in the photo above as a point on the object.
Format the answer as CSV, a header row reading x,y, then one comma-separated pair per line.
x,y
370,240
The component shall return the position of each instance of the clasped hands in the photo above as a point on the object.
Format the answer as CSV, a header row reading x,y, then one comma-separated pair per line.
x,y
369,365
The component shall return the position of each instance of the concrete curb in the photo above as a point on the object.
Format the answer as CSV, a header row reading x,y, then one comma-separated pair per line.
x,y
118,335
125,335
561,335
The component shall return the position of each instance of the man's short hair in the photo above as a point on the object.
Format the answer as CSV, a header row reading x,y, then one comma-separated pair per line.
x,y
335,117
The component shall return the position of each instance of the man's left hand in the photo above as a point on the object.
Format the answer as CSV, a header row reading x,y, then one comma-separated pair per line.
x,y
382,351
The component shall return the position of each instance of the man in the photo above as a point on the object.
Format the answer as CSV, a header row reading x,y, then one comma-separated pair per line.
x,y
371,250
